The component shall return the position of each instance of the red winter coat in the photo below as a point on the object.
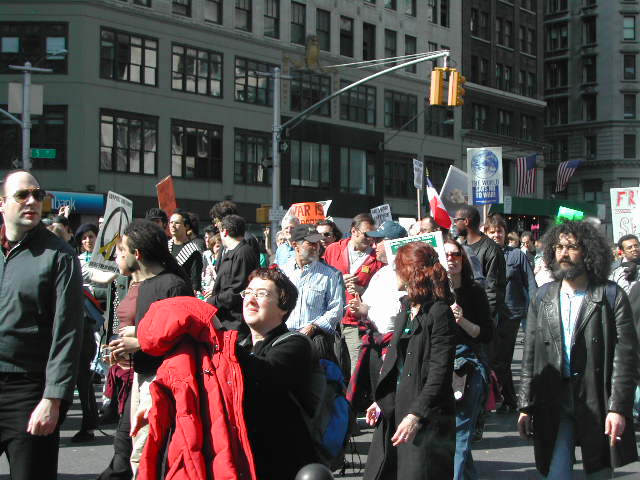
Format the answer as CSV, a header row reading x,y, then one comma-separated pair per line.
x,y
337,256
197,393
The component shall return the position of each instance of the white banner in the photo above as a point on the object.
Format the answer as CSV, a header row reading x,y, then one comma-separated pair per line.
x,y
484,167
418,174
117,215
625,211
455,190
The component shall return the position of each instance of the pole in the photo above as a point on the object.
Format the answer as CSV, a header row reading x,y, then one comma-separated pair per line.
x,y
26,117
419,209
275,155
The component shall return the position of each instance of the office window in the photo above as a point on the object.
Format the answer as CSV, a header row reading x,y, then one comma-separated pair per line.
x,y
499,31
410,7
557,36
474,22
499,76
527,127
196,70
553,6
243,15
368,41
251,88
556,74
589,30
181,7
196,150
629,28
128,142
128,57
531,84
309,88
298,23
480,114
390,44
272,18
438,122
310,164
591,146
589,68
410,45
629,106
444,13
505,120
629,67
323,29
390,4
508,34
213,11
508,78
252,149
38,43
484,26
593,191
522,38
400,110
589,107
484,71
531,41
557,111
358,104
432,11
475,69
142,3
629,146
522,82
357,171
346,36
48,130
398,175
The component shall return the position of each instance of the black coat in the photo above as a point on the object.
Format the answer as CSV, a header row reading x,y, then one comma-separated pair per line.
x,y
495,273
603,375
424,389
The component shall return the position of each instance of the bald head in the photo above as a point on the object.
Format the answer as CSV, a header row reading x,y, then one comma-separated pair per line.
x,y
21,203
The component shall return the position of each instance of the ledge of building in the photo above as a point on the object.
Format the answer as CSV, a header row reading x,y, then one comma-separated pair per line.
x,y
501,93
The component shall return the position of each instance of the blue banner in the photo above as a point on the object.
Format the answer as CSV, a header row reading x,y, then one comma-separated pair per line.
x,y
87,203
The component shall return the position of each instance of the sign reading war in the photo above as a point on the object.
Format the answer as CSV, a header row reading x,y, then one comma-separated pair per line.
x,y
117,215
484,167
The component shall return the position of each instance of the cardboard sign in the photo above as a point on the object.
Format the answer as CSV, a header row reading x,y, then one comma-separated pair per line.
x,y
434,239
455,190
166,195
418,173
117,215
484,166
381,214
625,211
308,212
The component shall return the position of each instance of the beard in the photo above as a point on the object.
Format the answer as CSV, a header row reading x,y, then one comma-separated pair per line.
x,y
308,257
570,270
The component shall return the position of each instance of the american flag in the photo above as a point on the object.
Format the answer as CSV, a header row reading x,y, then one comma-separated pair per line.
x,y
565,171
526,175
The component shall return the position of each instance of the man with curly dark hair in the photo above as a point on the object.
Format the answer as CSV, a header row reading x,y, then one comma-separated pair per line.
x,y
579,368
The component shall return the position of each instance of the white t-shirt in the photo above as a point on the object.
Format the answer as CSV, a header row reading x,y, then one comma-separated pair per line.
x,y
383,298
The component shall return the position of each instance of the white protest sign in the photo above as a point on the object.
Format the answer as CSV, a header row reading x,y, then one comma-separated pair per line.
x,y
484,166
406,222
381,214
454,191
418,173
625,211
117,215
434,239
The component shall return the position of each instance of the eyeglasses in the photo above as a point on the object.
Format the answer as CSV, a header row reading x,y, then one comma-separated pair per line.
x,y
256,293
458,218
21,196
326,234
634,246
572,247
454,254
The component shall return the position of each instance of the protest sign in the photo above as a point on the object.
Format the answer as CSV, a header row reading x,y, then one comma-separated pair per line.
x,y
406,222
484,167
166,195
117,215
434,239
455,190
625,211
381,214
308,212
418,173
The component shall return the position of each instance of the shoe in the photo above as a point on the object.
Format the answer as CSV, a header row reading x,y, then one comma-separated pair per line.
x,y
82,437
108,418
505,409
476,436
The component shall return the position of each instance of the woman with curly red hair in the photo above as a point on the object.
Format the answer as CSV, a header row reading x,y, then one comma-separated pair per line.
x,y
414,410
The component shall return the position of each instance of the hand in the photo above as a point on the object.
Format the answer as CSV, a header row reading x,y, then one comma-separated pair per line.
x,y
44,418
355,289
525,426
309,330
406,430
207,292
129,331
614,426
123,346
372,415
140,420
65,211
457,312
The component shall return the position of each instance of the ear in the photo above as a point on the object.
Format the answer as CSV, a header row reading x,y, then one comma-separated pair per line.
x,y
137,254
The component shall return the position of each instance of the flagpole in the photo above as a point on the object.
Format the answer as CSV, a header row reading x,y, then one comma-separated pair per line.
x,y
419,209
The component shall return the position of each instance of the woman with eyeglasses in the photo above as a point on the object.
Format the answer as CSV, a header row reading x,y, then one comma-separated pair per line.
x,y
276,365
471,371
414,410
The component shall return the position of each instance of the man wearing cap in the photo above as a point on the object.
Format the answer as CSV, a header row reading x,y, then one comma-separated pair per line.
x,y
321,296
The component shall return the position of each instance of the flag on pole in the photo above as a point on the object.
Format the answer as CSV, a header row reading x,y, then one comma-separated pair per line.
x,y
526,175
438,212
565,171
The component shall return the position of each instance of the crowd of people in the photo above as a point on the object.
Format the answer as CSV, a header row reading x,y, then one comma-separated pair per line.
x,y
211,342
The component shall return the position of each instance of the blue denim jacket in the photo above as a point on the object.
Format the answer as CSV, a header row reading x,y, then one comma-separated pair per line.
x,y
521,283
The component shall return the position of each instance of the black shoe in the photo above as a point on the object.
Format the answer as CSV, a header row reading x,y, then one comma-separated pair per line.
x,y
505,408
82,437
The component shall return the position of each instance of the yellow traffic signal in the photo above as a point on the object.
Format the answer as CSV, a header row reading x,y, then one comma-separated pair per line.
x,y
456,92
436,96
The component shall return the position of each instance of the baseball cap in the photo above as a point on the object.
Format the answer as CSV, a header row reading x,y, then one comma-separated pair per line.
x,y
388,229
305,232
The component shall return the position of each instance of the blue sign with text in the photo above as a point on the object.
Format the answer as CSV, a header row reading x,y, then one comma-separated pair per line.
x,y
88,203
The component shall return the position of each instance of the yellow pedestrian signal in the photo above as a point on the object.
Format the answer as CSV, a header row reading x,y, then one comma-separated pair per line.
x,y
456,92
436,96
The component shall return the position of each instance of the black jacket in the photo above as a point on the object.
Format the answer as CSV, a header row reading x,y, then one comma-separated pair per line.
x,y
495,273
423,389
603,375
41,314
521,283
233,271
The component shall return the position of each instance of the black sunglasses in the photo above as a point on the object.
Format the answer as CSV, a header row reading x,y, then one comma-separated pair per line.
x,y
21,196
326,234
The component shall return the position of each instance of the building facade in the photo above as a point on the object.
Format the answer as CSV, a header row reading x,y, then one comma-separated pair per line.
x,y
150,88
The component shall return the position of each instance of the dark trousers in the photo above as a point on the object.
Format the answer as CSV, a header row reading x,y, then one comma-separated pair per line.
x,y
29,456
503,345
119,468
85,383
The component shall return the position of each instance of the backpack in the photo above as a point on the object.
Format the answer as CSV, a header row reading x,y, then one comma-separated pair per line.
x,y
324,408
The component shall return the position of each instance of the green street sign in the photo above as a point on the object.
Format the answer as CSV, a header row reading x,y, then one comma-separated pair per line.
x,y
43,153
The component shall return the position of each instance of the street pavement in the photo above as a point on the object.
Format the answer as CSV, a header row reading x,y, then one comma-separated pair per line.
x,y
501,454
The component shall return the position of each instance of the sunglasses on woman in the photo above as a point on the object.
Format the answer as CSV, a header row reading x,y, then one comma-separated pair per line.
x,y
21,196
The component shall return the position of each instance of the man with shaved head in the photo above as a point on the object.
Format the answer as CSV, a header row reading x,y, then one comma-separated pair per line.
x,y
40,330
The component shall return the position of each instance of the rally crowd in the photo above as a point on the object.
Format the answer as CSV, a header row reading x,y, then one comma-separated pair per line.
x,y
211,343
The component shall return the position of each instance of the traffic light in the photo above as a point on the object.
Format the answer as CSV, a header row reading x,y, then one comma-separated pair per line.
x,y
436,96
456,92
